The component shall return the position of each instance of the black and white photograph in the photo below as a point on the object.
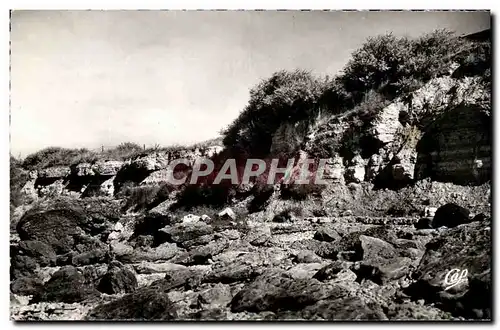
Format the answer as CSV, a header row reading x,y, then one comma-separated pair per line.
x,y
250,165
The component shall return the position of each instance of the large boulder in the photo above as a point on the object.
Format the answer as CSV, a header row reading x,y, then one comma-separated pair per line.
x,y
118,279
450,215
345,309
151,162
66,285
273,291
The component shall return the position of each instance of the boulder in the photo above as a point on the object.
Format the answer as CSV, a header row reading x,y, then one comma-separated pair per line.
x,y
186,231
55,172
450,215
259,235
424,223
64,227
327,234
157,178
306,256
430,212
84,169
107,188
107,168
345,309
190,218
66,285
118,279
227,214
146,304
26,285
41,253
381,262
217,296
151,162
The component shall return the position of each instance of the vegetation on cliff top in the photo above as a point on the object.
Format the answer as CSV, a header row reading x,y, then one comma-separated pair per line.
x,y
383,68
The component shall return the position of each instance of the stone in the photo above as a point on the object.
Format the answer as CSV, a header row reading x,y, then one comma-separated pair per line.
x,y
26,285
184,232
206,218
61,228
146,267
272,291
327,234
147,304
305,270
190,218
381,262
227,214
107,168
430,212
165,251
118,279
41,253
329,271
344,309
466,247
217,296
91,257
259,236
424,223
306,256
450,215
119,249
107,188
326,250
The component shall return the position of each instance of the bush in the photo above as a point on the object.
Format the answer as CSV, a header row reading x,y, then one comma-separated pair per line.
x,y
284,97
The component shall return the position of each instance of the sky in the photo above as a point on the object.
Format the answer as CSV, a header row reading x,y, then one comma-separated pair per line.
x,y
91,78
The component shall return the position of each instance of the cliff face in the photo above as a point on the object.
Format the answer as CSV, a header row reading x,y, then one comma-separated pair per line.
x,y
441,131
